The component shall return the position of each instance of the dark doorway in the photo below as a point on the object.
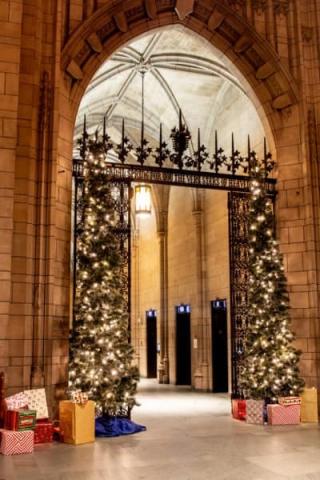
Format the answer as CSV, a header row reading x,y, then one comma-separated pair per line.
x,y
151,320
183,345
219,332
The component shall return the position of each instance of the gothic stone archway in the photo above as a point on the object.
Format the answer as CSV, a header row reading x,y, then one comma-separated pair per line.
x,y
269,84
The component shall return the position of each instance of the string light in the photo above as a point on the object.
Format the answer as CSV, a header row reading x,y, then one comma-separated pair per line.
x,y
101,359
269,366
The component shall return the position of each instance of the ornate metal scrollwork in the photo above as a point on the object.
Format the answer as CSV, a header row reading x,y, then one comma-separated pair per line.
x,y
180,157
239,277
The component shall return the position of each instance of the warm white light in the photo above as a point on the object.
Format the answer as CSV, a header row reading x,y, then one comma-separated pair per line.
x,y
142,199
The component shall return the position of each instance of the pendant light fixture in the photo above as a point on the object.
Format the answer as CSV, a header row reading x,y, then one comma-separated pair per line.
x,y
142,195
142,191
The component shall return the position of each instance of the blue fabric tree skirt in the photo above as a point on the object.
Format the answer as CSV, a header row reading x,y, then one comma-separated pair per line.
x,y
116,426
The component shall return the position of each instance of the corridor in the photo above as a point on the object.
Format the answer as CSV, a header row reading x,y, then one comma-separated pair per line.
x,y
190,436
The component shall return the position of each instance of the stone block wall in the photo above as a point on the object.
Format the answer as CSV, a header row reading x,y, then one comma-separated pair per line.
x,y
184,284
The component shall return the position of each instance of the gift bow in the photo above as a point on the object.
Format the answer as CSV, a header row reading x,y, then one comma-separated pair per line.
x,y
79,397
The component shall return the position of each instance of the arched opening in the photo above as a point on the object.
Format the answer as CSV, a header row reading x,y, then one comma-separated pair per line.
x,y
179,65
146,87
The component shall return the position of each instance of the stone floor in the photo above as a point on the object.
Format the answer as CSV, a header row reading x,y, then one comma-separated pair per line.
x,y
190,436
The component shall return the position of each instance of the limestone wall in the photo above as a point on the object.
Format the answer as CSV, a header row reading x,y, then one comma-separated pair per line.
x,y
145,283
184,284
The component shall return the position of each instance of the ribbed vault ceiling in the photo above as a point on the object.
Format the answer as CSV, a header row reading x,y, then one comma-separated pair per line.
x,y
182,71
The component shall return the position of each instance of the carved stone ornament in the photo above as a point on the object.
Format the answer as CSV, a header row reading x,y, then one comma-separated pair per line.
x,y
184,8
237,4
307,33
259,6
281,7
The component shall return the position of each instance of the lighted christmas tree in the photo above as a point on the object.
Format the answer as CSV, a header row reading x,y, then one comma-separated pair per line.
x,y
101,358
270,364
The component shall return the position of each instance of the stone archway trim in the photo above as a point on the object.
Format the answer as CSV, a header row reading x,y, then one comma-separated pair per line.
x,y
114,24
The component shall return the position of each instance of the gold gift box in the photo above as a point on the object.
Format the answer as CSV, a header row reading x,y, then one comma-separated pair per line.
x,y
309,405
77,422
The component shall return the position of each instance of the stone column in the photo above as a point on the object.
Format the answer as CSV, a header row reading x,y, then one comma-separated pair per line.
x,y
164,330
200,332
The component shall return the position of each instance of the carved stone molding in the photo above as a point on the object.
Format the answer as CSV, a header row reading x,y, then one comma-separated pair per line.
x,y
307,33
215,20
237,4
95,43
265,71
80,53
259,6
74,70
184,8
282,101
151,8
242,44
121,22
281,7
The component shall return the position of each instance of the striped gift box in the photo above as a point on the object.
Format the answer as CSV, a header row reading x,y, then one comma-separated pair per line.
x,y
283,415
16,443
289,401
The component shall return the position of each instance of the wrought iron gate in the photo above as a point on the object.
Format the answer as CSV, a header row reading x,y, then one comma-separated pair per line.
x,y
122,231
159,166
238,207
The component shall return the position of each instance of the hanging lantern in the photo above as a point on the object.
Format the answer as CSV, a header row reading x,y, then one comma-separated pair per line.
x,y
142,199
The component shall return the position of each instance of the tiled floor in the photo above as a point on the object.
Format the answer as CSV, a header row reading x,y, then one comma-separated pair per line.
x,y
190,436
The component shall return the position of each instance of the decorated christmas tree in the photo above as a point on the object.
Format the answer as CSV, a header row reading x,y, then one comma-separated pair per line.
x,y
270,364
101,358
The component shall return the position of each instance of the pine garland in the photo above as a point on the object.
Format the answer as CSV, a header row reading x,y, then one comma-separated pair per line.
x,y
270,364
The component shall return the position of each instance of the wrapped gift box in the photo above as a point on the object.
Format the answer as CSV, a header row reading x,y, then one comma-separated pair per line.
x,y
289,401
239,409
16,443
43,432
283,415
77,422
254,412
37,400
19,400
20,419
309,405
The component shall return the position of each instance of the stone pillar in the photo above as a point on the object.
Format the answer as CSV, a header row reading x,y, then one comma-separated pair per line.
x,y
164,330
200,332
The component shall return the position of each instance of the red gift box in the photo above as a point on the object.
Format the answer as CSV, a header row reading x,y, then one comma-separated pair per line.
x,y
43,432
16,443
20,419
283,415
239,409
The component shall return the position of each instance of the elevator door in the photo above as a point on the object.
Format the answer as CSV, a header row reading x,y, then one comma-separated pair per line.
x,y
219,345
183,348
151,320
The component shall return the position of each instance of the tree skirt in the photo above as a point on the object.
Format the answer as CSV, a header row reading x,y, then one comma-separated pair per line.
x,y
116,426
